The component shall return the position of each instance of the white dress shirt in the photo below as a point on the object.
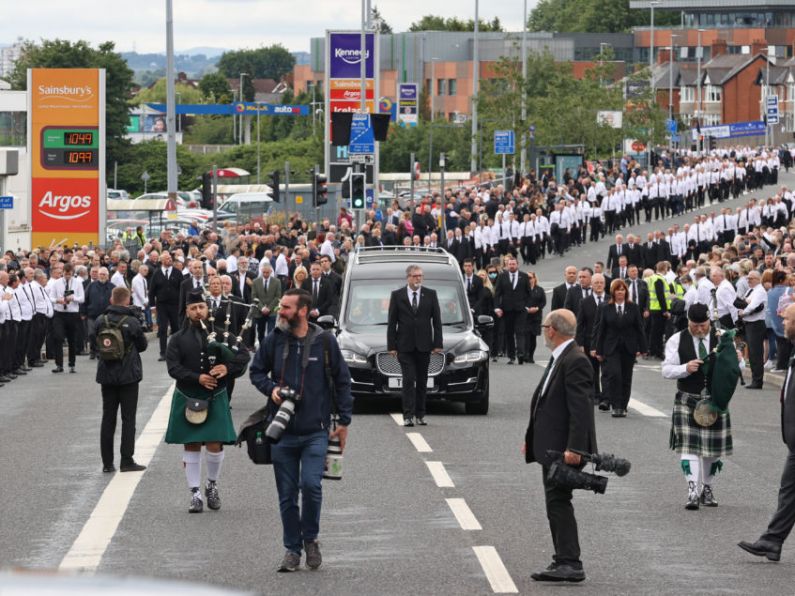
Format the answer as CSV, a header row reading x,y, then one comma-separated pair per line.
x,y
671,367
140,291
42,300
57,293
726,295
757,297
118,281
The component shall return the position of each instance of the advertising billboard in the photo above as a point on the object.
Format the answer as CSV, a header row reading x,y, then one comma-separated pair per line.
x,y
66,148
408,104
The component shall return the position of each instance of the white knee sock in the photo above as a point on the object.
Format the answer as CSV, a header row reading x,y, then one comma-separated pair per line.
x,y
193,468
710,466
691,466
214,461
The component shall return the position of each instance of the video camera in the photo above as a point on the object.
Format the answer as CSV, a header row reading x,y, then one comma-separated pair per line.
x,y
565,476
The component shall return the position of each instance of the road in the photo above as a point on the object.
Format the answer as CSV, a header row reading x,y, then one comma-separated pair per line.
x,y
449,509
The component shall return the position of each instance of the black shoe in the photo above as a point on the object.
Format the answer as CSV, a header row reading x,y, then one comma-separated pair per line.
x,y
11,375
132,467
762,548
19,372
510,361
196,503
707,498
5,379
92,357
72,370
559,573
619,413
408,422
162,358
754,386
213,498
108,469
25,368
530,361
520,360
494,359
37,364
58,369
693,499
421,421
604,406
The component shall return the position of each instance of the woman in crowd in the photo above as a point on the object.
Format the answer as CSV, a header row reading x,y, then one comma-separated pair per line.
x,y
299,276
783,345
487,308
618,340
537,302
770,338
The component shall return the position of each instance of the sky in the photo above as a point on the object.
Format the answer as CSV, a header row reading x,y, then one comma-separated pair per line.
x,y
140,24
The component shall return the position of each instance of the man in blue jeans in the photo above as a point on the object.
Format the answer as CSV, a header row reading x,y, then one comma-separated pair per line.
x,y
294,356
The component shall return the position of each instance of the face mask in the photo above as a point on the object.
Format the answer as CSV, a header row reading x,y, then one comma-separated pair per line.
x,y
492,276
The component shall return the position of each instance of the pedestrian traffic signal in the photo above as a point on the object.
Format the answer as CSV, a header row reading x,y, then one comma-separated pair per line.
x,y
207,191
319,188
274,176
358,200
713,143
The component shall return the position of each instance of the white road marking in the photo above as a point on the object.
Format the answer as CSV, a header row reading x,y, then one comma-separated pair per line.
x,y
496,573
398,418
420,444
89,547
466,519
645,410
440,475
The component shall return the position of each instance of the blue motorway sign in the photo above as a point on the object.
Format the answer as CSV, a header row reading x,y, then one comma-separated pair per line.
x,y
7,202
504,143
362,139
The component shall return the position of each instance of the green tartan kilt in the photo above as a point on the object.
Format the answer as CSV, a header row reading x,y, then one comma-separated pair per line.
x,y
217,428
689,438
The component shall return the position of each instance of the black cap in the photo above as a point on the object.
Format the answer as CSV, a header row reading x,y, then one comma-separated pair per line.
x,y
698,313
194,297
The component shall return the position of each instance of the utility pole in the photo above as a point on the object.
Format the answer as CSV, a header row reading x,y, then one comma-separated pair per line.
x,y
524,90
699,51
653,100
171,145
259,157
473,160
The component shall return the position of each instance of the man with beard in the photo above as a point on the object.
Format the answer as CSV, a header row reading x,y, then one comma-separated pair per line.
x,y
779,528
700,448
200,379
301,356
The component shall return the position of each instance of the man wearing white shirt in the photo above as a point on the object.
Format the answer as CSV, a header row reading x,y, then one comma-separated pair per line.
x,y
140,293
119,278
327,248
753,316
67,295
704,287
725,295
44,312
24,298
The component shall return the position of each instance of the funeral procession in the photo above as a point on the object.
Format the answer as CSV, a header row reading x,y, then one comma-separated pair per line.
x,y
398,298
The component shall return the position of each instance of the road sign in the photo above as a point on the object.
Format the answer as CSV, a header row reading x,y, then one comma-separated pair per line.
x,y
7,202
504,142
299,200
670,125
362,139
771,105
145,176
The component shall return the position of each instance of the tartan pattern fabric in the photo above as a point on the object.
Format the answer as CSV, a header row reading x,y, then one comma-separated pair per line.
x,y
689,438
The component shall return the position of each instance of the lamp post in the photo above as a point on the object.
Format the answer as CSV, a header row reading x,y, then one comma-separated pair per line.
x,y
179,101
768,134
259,157
433,106
242,99
652,4
699,52
524,89
171,145
473,160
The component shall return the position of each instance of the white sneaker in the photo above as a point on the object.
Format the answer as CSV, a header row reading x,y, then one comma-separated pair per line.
x,y
770,365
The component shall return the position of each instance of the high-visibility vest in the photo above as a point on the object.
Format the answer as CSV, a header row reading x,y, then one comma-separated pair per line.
x,y
654,303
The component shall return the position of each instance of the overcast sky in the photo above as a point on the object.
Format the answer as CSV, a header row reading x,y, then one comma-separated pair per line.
x,y
140,24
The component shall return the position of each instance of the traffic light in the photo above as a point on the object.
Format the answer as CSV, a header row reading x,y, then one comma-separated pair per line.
x,y
319,189
713,143
207,190
358,200
274,176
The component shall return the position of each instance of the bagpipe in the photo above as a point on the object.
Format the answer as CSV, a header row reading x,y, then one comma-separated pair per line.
x,y
722,372
229,346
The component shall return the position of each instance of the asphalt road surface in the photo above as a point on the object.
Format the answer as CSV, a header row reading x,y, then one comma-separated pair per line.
x,y
448,509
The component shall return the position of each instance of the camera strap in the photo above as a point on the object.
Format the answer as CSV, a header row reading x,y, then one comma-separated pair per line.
x,y
304,359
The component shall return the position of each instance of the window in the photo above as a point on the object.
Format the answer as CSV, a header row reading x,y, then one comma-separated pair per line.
x,y
428,88
712,94
441,86
452,87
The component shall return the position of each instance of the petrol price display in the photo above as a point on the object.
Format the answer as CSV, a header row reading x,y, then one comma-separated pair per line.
x,y
69,148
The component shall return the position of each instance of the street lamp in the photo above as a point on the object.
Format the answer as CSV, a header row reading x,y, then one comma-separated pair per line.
x,y
433,109
179,100
171,145
652,4
524,89
242,99
699,52
473,158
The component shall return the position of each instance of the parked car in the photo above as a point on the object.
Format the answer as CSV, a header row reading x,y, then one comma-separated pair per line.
x,y
117,195
460,373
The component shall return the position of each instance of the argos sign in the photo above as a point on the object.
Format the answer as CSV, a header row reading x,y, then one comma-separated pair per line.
x,y
66,149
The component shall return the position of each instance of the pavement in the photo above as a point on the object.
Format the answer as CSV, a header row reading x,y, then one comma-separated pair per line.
x,y
447,509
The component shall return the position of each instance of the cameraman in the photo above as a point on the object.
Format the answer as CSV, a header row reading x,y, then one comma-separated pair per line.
x,y
561,419
299,456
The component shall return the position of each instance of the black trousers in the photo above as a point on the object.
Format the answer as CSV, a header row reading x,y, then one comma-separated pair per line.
x,y
21,347
414,366
66,325
6,347
656,333
167,316
515,323
597,377
617,371
562,523
113,398
755,333
38,330
784,518
530,343
49,338
783,352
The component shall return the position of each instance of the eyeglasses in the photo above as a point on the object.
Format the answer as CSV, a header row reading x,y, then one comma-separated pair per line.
x,y
546,326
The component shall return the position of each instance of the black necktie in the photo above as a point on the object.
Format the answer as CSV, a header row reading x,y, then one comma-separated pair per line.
x,y
314,290
620,310
414,304
545,375
267,279
598,301
469,284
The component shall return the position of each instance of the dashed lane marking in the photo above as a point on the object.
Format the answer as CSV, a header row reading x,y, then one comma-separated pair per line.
x,y
466,519
420,444
498,576
645,410
88,549
398,418
440,475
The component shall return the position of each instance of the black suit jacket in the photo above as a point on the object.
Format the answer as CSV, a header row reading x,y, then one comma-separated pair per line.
x,y
165,292
634,254
788,413
574,299
562,416
650,257
613,254
325,296
559,296
643,294
408,331
246,295
586,319
475,295
511,299
617,275
613,332
185,287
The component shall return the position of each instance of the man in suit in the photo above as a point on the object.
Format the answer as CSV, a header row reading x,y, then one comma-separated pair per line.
x,y
615,251
319,287
333,277
474,287
414,330
586,320
633,251
267,288
164,296
622,269
638,291
193,281
561,419
579,292
559,292
242,281
780,526
512,301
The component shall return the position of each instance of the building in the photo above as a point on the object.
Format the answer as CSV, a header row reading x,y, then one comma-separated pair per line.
x,y
8,58
442,62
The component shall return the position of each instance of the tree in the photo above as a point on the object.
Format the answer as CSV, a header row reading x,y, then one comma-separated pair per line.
x,y
381,25
215,88
271,62
437,23
157,94
594,16
60,53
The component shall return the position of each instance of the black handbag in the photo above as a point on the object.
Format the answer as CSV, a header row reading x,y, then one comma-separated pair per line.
x,y
252,432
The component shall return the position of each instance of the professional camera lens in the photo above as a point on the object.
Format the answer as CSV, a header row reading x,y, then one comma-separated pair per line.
x,y
611,463
280,421
566,477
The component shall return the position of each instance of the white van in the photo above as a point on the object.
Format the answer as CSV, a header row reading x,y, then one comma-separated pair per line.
x,y
248,205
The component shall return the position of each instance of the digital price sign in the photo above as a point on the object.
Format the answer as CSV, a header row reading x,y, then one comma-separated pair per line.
x,y
69,148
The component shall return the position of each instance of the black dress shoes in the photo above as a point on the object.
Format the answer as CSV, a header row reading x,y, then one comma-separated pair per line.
x,y
510,361
754,386
58,369
408,422
520,360
559,573
421,421
618,413
131,466
37,364
72,369
108,469
162,358
604,406
762,548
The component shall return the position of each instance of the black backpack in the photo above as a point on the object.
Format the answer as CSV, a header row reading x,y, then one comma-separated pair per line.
x,y
110,340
